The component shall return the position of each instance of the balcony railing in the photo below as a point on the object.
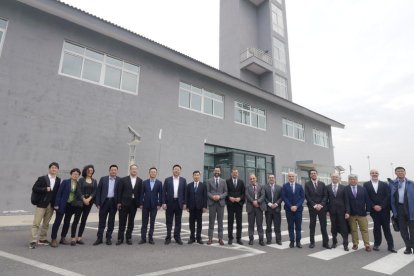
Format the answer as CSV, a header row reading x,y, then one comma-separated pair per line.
x,y
254,52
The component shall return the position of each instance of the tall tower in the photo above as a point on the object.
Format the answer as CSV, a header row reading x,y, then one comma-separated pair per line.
x,y
254,44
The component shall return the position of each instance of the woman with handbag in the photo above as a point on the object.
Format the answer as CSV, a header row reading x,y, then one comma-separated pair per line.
x,y
68,202
87,189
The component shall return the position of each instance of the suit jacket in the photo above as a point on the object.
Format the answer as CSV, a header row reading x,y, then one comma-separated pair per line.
x,y
260,191
315,196
338,204
381,197
360,205
125,191
102,191
238,191
277,197
40,187
409,197
212,190
293,199
168,191
151,199
62,196
196,199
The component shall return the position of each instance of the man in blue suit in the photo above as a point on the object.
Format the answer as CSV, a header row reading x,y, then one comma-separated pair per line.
x,y
106,195
402,203
174,203
196,201
293,195
151,201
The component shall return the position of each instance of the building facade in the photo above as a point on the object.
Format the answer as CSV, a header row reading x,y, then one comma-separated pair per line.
x,y
72,83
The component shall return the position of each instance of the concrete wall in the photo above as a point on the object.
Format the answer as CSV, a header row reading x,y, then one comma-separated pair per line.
x,y
49,117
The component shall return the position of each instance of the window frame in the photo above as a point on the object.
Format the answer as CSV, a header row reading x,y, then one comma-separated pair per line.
x,y
104,63
278,83
277,17
250,111
279,57
3,37
320,138
295,129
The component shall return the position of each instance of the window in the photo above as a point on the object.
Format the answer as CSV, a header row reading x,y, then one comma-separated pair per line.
x,y
248,115
91,66
320,138
3,28
285,172
201,100
293,130
277,20
324,177
279,55
281,86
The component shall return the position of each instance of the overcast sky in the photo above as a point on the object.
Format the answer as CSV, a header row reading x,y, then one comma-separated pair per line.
x,y
351,60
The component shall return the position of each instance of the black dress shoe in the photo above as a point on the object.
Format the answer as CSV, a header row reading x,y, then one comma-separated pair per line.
x,y
251,242
80,242
333,245
239,241
326,246
200,242
311,245
98,241
375,248
262,243
191,241
407,251
346,248
142,241
167,242
118,242
298,245
129,242
279,242
151,241
268,242
292,244
108,242
230,242
180,242
392,250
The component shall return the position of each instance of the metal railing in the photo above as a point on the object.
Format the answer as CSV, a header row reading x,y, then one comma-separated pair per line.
x,y
254,52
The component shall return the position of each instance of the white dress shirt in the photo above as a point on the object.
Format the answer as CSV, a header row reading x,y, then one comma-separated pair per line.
x,y
52,180
176,181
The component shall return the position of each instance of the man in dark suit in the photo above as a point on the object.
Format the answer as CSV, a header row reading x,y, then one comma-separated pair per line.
x,y
293,196
46,186
196,202
359,204
338,211
379,195
151,201
216,193
174,203
255,206
273,200
316,197
402,202
234,202
106,195
129,194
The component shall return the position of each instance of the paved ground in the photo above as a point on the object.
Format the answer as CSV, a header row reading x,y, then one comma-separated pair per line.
x,y
159,259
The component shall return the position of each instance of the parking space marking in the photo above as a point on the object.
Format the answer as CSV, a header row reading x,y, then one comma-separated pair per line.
x,y
37,264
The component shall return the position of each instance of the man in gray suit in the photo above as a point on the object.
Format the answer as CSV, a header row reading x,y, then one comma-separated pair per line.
x,y
273,199
216,193
255,205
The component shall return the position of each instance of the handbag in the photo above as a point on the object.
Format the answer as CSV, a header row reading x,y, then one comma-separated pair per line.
x,y
395,224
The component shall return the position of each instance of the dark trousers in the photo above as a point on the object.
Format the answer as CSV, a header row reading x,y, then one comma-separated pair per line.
x,y
339,225
56,224
148,214
126,213
255,215
275,218
294,220
406,226
196,215
234,210
85,213
382,219
322,222
107,211
69,212
173,212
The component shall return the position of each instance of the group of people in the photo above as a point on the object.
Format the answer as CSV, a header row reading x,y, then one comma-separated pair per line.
x,y
347,207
